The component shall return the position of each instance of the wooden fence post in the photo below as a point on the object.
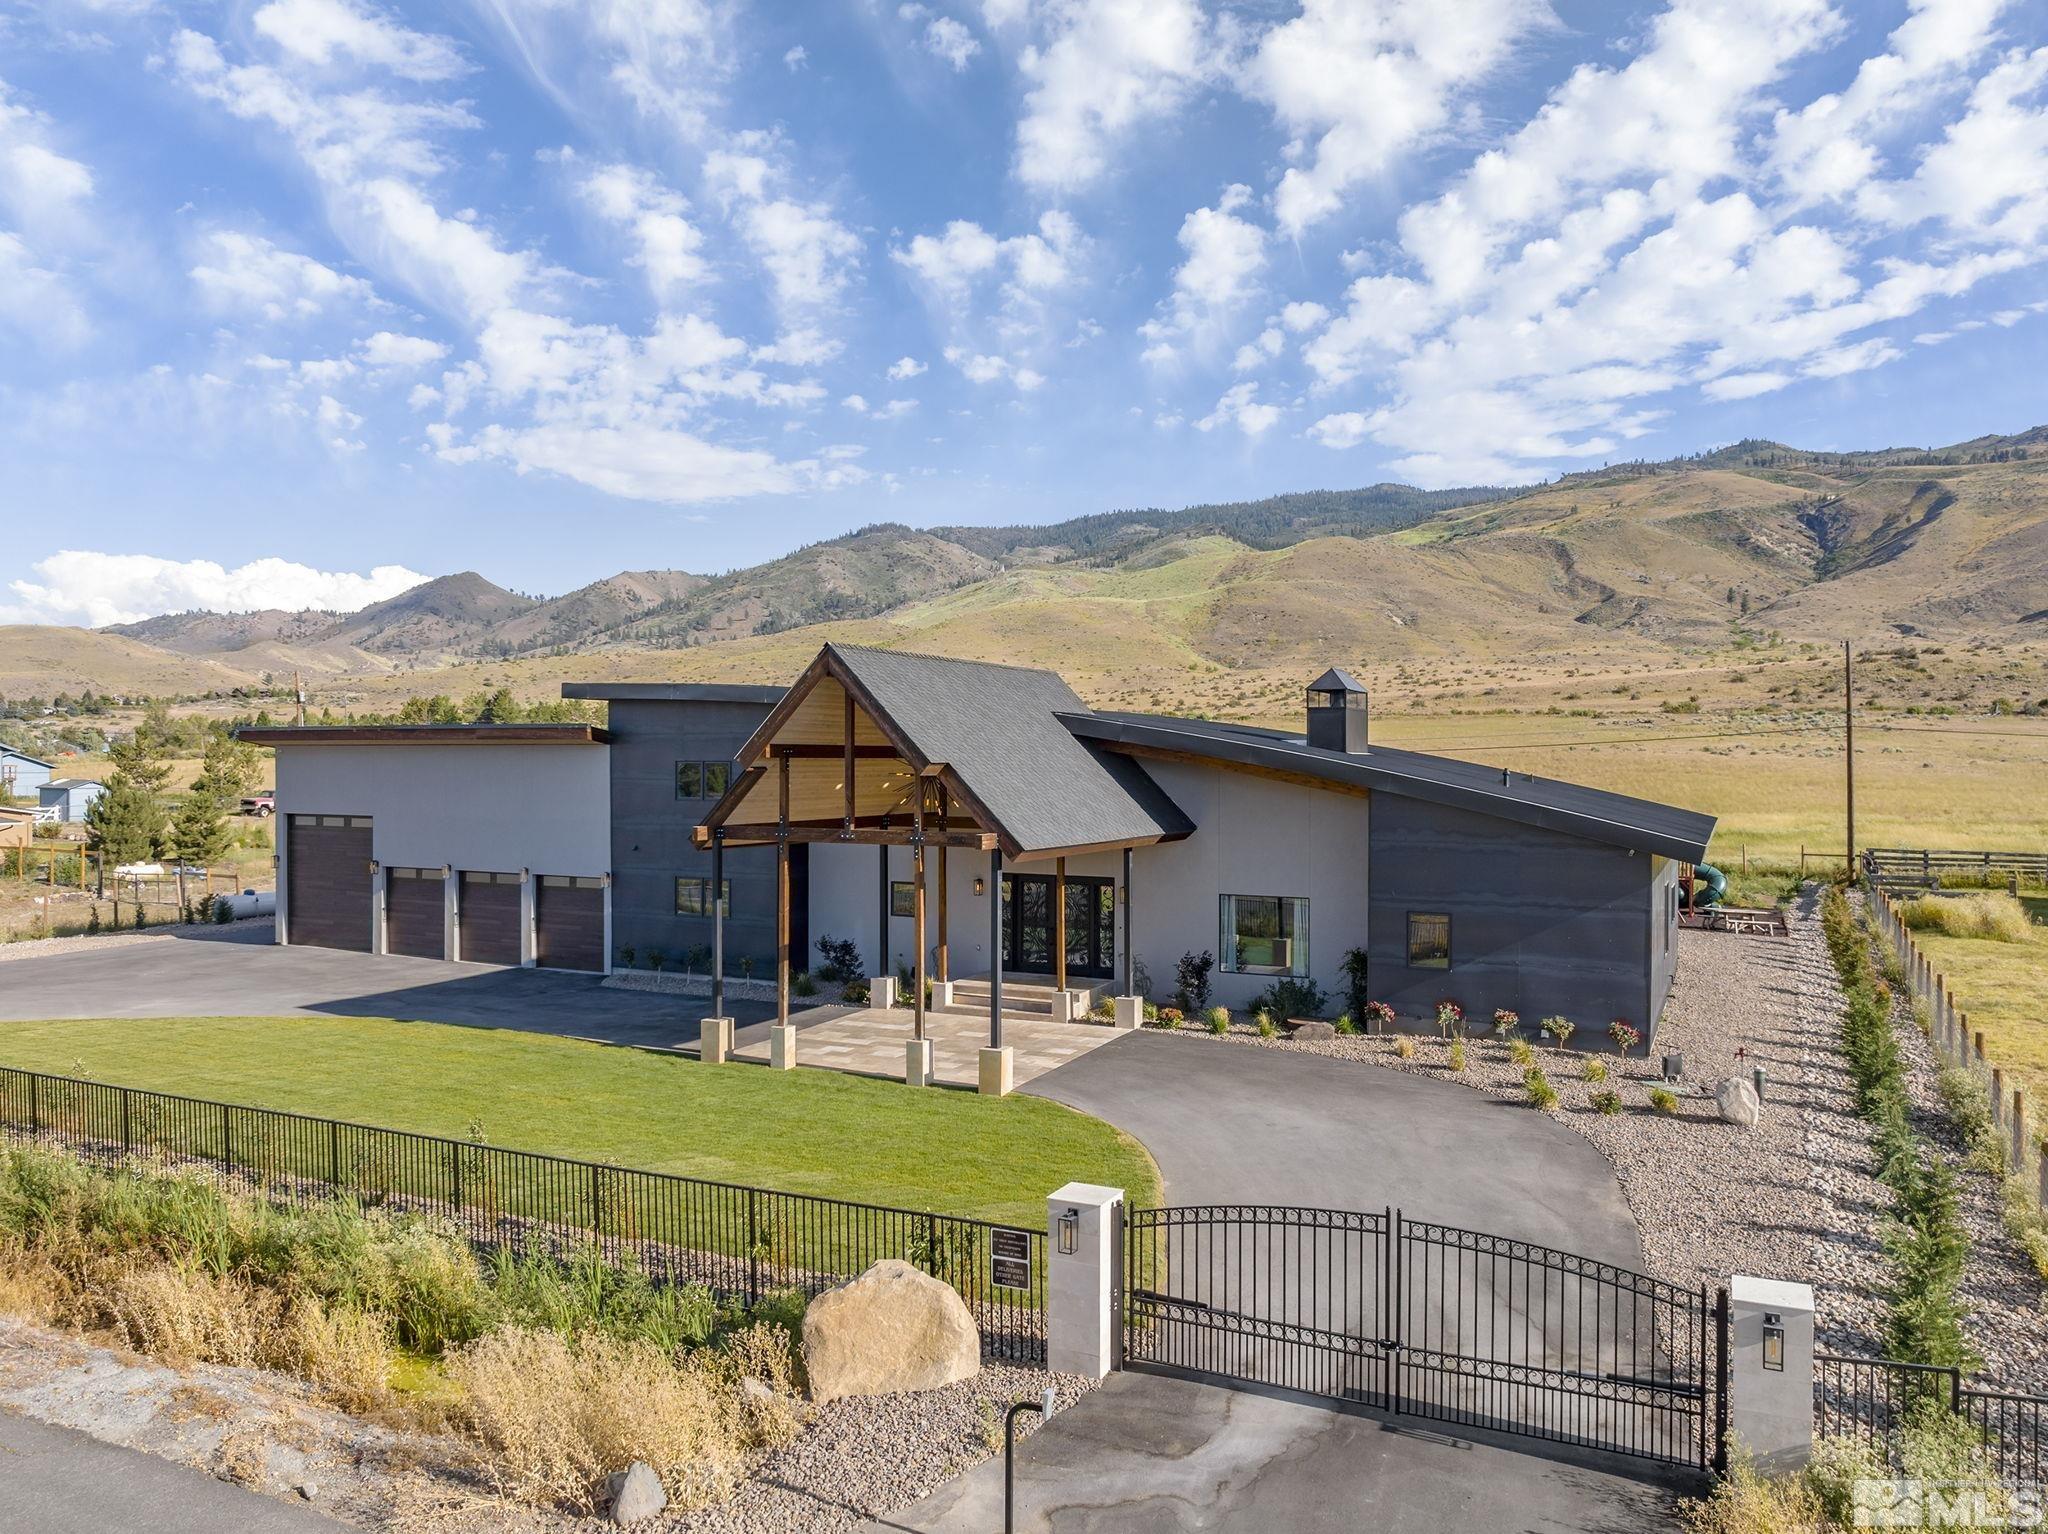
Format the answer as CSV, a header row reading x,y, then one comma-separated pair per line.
x,y
2019,1131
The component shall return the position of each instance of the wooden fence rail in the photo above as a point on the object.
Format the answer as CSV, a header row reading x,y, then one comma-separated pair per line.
x,y
1924,865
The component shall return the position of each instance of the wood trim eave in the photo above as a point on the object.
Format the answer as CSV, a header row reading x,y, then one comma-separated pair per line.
x,y
734,793
1223,764
1079,849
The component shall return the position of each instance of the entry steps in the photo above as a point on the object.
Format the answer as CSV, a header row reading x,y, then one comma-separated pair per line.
x,y
1021,998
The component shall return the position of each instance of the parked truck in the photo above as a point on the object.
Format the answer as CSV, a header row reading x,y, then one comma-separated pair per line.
x,y
262,804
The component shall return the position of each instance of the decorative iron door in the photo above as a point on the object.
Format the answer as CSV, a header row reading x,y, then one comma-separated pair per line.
x,y
1028,901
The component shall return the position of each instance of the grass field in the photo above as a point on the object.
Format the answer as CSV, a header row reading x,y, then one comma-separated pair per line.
x,y
802,1131
2003,987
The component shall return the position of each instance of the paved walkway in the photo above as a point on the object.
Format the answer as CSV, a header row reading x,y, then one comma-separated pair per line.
x,y
56,1480
869,1042
1145,1452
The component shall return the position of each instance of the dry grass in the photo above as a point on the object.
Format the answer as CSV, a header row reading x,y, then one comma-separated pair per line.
x,y
2001,918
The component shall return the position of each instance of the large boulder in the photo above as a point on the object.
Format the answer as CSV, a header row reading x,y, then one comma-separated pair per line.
x,y
1738,1102
893,1328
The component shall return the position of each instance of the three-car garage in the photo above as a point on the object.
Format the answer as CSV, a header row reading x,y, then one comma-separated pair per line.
x,y
489,844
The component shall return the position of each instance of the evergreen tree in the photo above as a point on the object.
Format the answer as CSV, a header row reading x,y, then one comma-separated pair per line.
x,y
126,823
199,832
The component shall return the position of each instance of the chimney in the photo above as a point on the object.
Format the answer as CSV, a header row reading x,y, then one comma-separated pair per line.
x,y
1337,712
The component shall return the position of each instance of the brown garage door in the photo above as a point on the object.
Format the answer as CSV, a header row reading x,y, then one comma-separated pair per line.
x,y
569,922
328,883
414,919
490,917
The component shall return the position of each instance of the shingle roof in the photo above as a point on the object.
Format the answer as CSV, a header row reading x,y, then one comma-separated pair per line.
x,y
23,756
1592,813
999,728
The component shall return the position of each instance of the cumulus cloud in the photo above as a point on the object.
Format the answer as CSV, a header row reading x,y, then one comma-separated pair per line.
x,y
388,349
91,590
904,368
1225,254
237,272
1240,407
948,39
668,247
326,32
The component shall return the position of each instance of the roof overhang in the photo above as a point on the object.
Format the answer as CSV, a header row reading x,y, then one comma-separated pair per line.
x,y
672,692
424,735
1591,814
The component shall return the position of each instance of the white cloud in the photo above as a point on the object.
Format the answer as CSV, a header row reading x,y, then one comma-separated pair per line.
x,y
388,349
1343,430
977,367
856,403
91,589
951,263
904,368
1225,254
795,58
1374,79
37,301
1239,406
239,272
1299,317
1744,385
948,39
808,254
1257,353
321,32
669,247
641,460
1104,68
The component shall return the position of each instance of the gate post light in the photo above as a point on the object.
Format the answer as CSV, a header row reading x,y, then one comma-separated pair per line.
x,y
1070,1232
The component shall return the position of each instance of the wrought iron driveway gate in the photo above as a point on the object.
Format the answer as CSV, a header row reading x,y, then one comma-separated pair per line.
x,y
1425,1320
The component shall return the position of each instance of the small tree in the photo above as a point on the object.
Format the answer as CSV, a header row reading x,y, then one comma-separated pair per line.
x,y
1559,1029
1450,1018
126,822
1191,981
1624,1034
1355,965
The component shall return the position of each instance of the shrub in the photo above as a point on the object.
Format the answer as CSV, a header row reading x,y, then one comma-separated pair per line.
x,y
1606,1101
223,913
2000,918
1262,1020
1663,1100
1595,1069
1218,1019
854,993
1357,965
841,958
1379,1016
802,984
1450,1018
1457,1055
1521,1053
1404,1047
1624,1034
1291,997
1507,1024
1170,1017
1559,1029
1191,981
1344,1024
655,959
1541,1093
627,953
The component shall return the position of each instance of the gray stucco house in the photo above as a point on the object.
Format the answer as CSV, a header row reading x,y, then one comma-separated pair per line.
x,y
1056,842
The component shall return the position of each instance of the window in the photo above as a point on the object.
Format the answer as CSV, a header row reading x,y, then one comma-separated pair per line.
x,y
703,780
693,897
902,897
1429,941
1264,935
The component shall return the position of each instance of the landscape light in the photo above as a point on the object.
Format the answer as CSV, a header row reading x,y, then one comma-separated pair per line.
x,y
1774,1342
1070,1232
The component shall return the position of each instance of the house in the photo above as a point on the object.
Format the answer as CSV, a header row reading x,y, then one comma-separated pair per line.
x,y
17,825
1024,834
21,775
70,798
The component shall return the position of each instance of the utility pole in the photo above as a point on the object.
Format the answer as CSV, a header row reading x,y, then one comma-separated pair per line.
x,y
299,696
1849,744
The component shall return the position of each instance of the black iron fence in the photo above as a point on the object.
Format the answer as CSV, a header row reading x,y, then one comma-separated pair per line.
x,y
740,1242
1426,1320
1875,1399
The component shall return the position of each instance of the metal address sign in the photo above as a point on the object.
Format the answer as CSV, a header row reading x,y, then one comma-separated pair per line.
x,y
1009,1258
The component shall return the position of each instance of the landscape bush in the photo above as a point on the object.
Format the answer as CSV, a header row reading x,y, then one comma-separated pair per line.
x,y
1357,966
1291,997
1521,1052
1344,1024
1607,1101
1168,1017
1450,1018
1507,1023
1998,917
1218,1019
1262,1021
1541,1093
1625,1034
1595,1069
1559,1029
1663,1100
1378,1015
1457,1055
1191,981
1404,1047
841,958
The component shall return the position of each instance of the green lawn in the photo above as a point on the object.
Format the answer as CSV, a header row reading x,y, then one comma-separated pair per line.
x,y
2003,987
804,1131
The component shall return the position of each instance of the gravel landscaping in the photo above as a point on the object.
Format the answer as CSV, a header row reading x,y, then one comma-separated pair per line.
x,y
254,929
1792,1198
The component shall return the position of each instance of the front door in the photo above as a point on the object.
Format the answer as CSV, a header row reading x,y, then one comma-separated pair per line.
x,y
1028,925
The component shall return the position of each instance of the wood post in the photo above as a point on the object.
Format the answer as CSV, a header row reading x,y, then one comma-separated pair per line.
x,y
945,958
917,912
995,949
882,916
1059,923
718,923
1130,933
781,903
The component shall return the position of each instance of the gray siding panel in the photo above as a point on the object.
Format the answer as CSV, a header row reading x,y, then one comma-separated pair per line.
x,y
651,845
1540,922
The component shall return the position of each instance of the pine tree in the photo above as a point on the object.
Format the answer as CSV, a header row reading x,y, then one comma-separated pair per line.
x,y
126,823
199,832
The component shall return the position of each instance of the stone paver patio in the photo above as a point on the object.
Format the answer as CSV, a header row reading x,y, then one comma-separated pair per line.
x,y
870,1043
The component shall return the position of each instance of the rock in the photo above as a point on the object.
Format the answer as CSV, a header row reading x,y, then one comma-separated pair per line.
x,y
893,1328
1737,1101
635,1493
308,1490
757,1392
1310,1028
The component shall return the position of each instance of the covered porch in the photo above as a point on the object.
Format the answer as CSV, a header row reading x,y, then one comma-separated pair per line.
x,y
966,766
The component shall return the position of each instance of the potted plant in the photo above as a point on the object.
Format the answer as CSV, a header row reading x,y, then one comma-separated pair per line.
x,y
1624,1034
1558,1029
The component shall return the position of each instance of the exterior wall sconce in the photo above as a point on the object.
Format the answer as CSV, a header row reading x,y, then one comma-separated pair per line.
x,y
1070,1236
1774,1341
981,886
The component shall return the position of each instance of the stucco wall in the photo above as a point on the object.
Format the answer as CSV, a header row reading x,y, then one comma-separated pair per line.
x,y
1540,922
1663,935
650,835
500,808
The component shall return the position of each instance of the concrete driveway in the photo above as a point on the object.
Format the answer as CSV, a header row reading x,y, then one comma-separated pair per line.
x,y
239,972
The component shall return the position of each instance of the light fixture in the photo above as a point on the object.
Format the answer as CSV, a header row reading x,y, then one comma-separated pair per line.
x,y
1070,1232
1774,1342
981,886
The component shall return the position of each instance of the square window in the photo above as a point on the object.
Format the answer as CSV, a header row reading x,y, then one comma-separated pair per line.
x,y
1264,935
689,780
902,897
717,778
1429,941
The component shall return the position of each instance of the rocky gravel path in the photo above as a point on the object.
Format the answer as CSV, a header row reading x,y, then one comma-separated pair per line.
x,y
254,929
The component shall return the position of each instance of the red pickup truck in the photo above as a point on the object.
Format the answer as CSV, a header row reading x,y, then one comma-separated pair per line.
x,y
261,804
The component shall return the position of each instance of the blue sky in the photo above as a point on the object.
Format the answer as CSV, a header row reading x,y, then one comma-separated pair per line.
x,y
303,299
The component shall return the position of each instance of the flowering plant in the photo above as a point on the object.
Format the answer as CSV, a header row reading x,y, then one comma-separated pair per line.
x,y
1450,1018
1507,1023
1624,1034
1558,1028
1379,1016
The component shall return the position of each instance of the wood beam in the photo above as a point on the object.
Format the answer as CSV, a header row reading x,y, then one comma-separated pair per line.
x,y
1059,924
852,756
917,917
833,831
781,905
816,750
945,971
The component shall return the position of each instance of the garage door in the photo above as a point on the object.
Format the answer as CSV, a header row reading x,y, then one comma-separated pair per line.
x,y
414,919
569,922
328,886
490,917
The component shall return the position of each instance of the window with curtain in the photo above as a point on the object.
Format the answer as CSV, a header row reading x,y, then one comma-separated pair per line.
x,y
1264,935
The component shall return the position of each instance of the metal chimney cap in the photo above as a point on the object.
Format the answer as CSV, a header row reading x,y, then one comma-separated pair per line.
x,y
1336,679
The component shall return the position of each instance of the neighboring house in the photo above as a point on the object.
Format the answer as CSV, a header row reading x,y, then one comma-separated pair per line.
x,y
70,797
21,775
1277,853
17,825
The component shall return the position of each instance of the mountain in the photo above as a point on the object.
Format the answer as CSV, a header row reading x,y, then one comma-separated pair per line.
x,y
1758,536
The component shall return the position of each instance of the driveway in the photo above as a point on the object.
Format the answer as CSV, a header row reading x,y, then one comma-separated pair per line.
x,y
239,972
1142,1452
